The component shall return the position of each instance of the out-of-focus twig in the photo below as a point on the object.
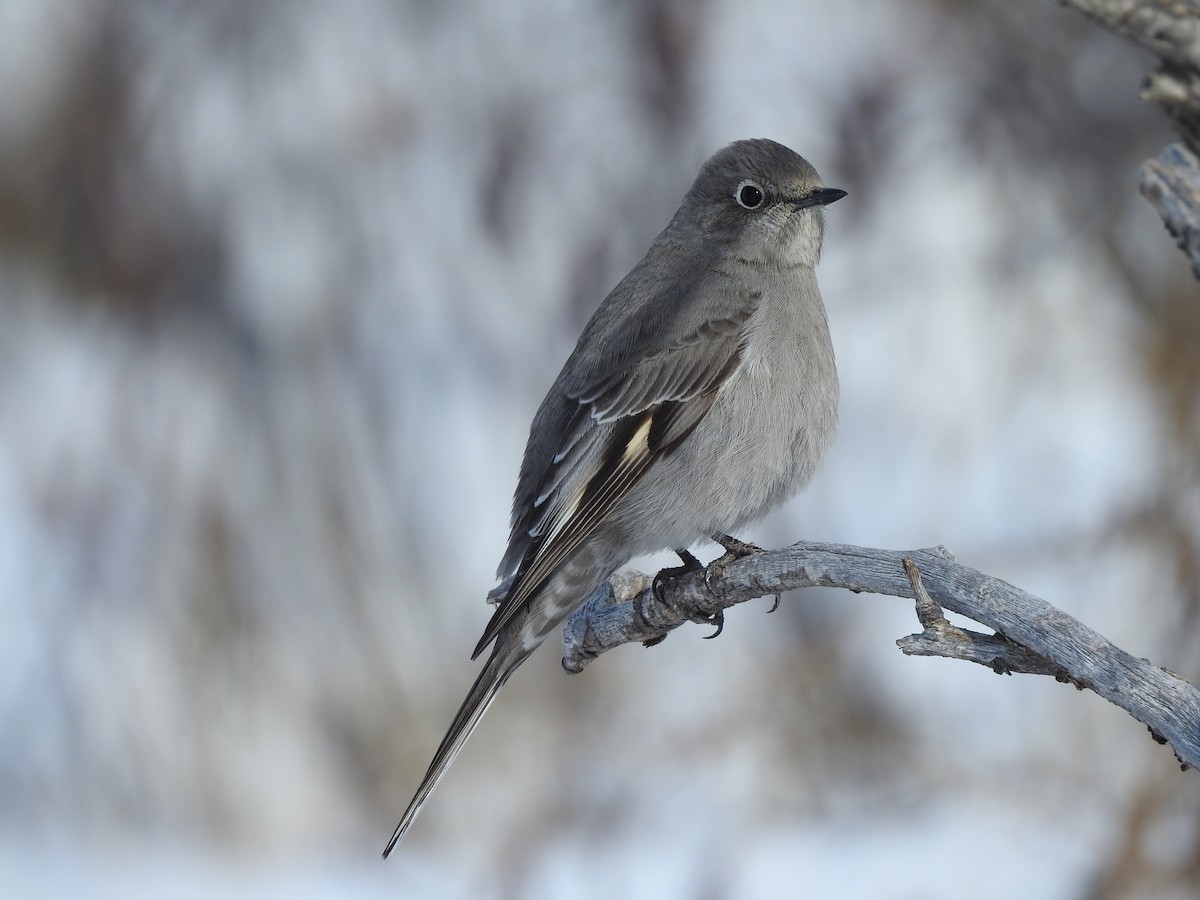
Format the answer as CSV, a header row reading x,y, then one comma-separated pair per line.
x,y
1171,30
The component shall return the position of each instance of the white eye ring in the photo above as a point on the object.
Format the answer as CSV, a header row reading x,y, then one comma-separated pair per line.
x,y
749,194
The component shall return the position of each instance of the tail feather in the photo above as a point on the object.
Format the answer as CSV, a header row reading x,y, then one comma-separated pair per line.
x,y
500,665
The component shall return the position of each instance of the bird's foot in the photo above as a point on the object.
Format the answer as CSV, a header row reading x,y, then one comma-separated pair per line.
x,y
736,549
690,564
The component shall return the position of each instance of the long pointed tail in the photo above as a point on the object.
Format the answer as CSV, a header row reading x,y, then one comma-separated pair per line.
x,y
500,665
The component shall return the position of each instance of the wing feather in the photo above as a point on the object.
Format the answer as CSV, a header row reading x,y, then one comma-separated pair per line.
x,y
611,430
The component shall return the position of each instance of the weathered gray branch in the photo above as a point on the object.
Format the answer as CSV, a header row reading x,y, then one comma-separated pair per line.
x,y
1031,635
1171,30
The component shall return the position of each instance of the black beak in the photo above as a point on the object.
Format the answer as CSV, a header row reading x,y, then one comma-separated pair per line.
x,y
821,197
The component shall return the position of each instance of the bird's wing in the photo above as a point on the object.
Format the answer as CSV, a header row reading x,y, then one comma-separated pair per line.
x,y
609,426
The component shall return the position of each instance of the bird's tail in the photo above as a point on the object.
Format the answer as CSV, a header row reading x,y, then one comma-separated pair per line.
x,y
500,665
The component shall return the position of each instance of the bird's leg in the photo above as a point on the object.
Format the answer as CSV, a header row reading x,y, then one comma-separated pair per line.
x,y
690,564
734,550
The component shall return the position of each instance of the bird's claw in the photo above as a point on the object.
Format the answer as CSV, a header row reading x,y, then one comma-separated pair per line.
x,y
718,619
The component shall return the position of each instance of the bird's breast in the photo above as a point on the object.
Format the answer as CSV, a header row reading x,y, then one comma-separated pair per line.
x,y
781,406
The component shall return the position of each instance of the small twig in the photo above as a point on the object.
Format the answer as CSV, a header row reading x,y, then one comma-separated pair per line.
x,y
929,614
942,638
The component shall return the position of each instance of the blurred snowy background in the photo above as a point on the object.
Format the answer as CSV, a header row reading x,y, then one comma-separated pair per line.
x,y
281,285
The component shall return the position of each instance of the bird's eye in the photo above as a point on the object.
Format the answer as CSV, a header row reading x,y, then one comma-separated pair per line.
x,y
749,195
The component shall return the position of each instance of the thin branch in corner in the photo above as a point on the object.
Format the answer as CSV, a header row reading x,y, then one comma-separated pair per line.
x,y
1030,636
1172,184
1171,31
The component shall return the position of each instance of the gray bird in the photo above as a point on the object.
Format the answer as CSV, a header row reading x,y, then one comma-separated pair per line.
x,y
702,394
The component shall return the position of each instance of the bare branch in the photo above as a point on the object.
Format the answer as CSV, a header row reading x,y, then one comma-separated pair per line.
x,y
1031,635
